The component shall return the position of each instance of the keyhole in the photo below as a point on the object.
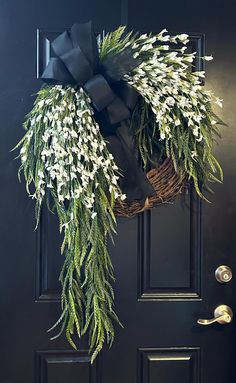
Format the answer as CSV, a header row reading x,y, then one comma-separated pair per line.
x,y
223,274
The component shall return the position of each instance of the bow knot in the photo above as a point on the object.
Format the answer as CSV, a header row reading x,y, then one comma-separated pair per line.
x,y
77,63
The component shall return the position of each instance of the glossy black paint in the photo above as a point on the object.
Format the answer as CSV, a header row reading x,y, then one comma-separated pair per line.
x,y
164,260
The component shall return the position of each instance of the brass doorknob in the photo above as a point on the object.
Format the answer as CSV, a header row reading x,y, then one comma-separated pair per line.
x,y
222,314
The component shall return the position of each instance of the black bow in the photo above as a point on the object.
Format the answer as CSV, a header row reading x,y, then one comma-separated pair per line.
x,y
76,62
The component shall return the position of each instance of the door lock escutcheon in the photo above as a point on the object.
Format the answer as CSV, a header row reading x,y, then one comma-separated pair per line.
x,y
223,274
223,315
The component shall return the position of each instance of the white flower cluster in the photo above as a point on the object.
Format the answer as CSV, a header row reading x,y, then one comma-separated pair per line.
x,y
23,151
74,155
166,83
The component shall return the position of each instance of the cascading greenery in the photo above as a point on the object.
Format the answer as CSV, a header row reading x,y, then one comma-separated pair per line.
x,y
65,161
190,156
65,157
174,117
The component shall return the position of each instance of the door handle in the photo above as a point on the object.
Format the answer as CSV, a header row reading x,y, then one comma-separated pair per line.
x,y
222,314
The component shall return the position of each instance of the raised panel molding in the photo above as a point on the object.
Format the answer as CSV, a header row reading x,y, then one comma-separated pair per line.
x,y
168,365
169,267
197,44
48,259
44,38
65,367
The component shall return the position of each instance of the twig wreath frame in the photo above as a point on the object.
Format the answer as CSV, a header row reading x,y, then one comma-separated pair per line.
x,y
106,104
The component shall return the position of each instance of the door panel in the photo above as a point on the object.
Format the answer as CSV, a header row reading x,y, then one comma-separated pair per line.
x,y
65,366
169,365
164,260
170,251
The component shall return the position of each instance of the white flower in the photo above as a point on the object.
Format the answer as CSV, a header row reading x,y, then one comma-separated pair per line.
x,y
177,122
199,74
160,36
114,179
196,131
94,144
143,37
189,59
208,58
164,38
162,135
183,49
193,154
165,47
40,174
218,102
73,134
45,152
162,32
183,38
199,138
65,225
41,103
146,47
38,118
93,214
213,122
46,136
41,182
33,196
170,101
60,198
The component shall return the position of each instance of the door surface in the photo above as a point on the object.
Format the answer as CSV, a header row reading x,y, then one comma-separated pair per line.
x,y
164,260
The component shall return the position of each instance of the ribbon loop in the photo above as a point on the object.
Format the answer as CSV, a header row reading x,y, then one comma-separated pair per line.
x,y
62,44
57,73
100,92
77,64
83,36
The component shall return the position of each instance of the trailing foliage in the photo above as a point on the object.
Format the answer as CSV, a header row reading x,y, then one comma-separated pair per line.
x,y
65,158
174,116
190,156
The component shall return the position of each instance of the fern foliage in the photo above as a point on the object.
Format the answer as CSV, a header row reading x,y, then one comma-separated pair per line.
x,y
65,160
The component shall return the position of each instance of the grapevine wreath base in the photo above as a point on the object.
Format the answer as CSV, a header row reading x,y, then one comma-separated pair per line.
x,y
121,124
167,185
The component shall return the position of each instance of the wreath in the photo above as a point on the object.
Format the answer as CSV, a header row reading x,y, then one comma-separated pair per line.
x,y
121,124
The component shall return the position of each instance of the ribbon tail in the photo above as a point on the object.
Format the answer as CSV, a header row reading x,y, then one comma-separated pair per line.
x,y
133,181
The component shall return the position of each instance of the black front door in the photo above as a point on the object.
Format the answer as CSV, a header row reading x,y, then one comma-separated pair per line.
x,y
165,260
